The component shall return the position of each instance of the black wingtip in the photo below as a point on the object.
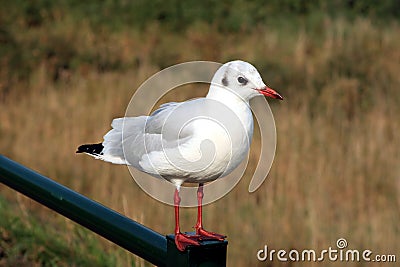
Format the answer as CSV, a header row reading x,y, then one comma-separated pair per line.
x,y
95,149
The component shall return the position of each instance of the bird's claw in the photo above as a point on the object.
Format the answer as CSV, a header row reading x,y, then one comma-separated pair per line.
x,y
183,240
206,235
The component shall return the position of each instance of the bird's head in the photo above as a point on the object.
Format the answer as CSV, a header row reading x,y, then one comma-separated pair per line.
x,y
243,79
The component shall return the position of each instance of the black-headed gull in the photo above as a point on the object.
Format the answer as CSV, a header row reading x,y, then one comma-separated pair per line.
x,y
188,141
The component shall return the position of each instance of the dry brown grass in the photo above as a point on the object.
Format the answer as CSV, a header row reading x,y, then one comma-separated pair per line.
x,y
336,172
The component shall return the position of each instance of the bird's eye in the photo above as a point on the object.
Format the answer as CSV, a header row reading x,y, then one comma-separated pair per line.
x,y
242,80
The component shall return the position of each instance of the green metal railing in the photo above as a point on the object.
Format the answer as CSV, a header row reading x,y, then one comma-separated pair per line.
x,y
117,228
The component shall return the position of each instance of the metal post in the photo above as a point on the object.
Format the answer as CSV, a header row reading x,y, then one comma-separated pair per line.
x,y
209,254
115,227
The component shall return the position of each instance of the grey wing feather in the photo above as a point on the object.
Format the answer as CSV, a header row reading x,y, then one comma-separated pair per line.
x,y
137,136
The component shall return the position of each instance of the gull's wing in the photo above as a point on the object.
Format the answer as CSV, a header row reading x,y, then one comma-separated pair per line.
x,y
133,138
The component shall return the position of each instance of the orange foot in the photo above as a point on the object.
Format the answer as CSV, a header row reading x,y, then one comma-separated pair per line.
x,y
206,235
182,241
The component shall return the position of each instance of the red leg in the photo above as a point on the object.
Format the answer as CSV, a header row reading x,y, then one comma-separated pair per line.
x,y
199,225
181,240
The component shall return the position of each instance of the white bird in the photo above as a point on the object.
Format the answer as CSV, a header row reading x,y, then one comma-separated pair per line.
x,y
195,141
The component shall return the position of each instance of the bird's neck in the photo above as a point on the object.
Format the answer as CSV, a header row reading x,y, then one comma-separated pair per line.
x,y
239,105
226,96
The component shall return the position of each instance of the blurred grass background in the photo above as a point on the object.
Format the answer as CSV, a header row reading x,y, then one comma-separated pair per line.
x,y
68,67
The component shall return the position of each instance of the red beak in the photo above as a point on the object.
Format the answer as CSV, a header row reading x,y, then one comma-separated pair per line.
x,y
270,93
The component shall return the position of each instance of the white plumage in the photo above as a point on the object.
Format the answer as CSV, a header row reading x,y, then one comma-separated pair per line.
x,y
195,141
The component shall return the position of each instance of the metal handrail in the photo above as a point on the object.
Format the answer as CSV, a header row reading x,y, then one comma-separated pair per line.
x,y
115,227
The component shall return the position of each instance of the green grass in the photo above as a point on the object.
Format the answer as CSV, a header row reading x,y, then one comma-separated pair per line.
x,y
26,240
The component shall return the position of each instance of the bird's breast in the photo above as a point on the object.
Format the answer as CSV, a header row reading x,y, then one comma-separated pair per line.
x,y
217,148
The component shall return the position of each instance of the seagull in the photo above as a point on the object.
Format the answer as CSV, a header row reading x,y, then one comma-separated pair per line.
x,y
194,141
